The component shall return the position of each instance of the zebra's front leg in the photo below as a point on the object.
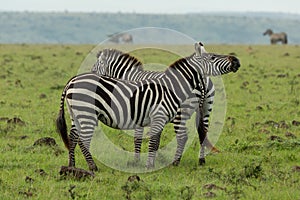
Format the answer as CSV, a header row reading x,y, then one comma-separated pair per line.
x,y
138,137
181,136
155,132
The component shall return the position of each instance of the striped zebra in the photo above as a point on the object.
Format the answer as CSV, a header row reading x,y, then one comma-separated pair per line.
x,y
120,65
129,105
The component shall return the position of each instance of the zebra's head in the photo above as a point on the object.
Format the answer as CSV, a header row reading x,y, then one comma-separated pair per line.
x,y
100,66
268,32
111,61
212,64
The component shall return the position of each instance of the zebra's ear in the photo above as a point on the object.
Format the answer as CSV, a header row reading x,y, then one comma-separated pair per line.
x,y
199,48
105,52
99,53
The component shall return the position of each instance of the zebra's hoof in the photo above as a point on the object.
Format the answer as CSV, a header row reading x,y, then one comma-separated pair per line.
x,y
176,163
201,161
215,150
94,168
149,166
133,163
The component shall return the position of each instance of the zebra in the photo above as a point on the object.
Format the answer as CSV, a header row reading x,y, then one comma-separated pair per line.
x,y
120,65
276,37
122,104
120,37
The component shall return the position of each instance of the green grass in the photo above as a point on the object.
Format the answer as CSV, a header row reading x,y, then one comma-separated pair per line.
x,y
262,101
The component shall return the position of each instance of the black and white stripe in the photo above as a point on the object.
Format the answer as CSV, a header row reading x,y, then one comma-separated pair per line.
x,y
120,65
129,105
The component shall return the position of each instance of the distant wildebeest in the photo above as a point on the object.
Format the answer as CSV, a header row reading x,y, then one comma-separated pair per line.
x,y
120,37
126,37
276,37
113,38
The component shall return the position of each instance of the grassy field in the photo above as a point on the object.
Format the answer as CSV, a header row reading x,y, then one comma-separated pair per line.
x,y
260,141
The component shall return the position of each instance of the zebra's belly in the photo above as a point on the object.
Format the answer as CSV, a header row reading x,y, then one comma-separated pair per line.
x,y
124,121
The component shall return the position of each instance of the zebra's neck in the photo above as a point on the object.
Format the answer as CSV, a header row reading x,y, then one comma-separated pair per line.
x,y
184,79
126,73
133,73
122,65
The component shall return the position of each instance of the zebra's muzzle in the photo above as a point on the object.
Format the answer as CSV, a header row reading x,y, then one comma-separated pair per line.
x,y
235,63
94,69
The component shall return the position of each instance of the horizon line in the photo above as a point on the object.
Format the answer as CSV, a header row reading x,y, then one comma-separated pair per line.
x,y
155,13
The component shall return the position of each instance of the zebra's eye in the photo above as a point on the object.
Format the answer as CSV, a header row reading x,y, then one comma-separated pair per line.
x,y
213,57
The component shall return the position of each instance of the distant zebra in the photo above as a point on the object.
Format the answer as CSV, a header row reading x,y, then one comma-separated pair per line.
x,y
129,105
116,64
121,37
276,37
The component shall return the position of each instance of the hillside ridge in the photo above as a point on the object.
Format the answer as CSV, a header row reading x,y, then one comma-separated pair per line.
x,y
93,28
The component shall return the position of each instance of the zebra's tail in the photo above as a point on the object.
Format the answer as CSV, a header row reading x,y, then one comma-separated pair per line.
x,y
61,122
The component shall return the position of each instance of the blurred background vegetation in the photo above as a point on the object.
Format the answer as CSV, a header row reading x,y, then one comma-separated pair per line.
x,y
92,28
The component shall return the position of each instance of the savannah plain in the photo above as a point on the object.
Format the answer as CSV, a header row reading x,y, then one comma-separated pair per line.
x,y
259,144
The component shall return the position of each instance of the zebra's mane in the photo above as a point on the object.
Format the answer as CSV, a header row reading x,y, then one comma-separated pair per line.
x,y
180,61
125,56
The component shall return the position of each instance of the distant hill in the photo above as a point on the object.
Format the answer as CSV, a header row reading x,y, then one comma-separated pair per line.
x,y
92,28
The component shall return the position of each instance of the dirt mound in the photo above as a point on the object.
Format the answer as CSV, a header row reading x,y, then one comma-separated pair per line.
x,y
45,141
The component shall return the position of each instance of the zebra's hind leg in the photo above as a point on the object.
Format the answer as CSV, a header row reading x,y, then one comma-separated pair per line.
x,y
85,137
84,146
73,143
